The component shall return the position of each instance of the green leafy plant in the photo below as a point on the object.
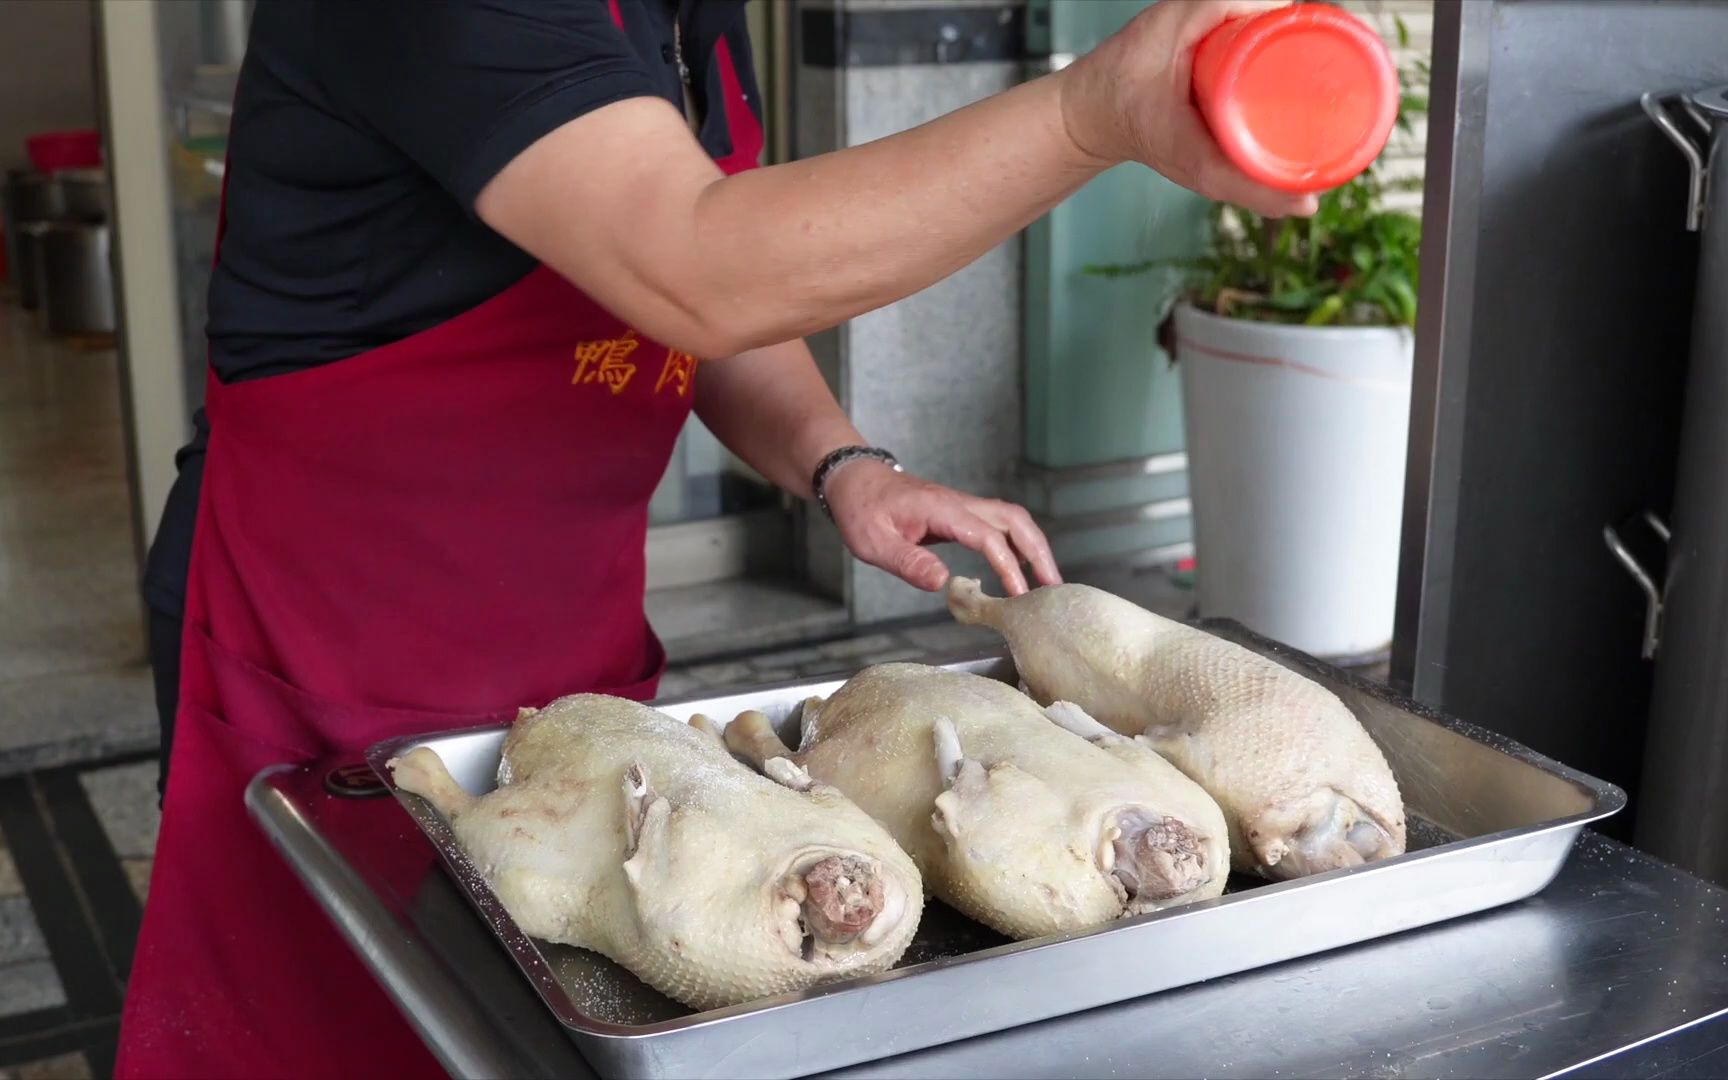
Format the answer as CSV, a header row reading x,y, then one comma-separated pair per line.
x,y
1354,263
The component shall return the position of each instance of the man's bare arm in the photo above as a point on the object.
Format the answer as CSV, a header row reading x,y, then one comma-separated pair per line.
x,y
624,202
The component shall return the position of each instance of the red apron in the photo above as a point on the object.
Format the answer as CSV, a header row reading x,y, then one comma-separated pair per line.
x,y
423,537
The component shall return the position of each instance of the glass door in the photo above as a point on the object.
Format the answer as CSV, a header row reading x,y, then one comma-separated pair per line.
x,y
712,516
1104,440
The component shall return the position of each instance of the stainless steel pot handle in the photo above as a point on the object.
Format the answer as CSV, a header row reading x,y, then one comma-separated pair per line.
x,y
1691,109
1655,108
1652,593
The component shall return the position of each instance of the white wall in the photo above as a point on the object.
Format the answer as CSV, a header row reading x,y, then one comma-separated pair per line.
x,y
47,71
1404,160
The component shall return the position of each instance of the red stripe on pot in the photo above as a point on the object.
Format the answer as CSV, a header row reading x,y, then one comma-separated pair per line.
x,y
1288,365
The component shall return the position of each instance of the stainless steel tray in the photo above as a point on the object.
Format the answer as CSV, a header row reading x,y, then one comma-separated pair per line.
x,y
1491,823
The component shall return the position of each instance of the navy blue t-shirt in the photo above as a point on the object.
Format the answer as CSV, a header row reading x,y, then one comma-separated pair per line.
x,y
364,130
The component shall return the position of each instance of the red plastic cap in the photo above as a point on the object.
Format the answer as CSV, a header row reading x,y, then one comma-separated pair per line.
x,y
1302,98
51,151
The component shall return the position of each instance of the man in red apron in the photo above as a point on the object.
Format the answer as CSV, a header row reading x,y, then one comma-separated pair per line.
x,y
470,256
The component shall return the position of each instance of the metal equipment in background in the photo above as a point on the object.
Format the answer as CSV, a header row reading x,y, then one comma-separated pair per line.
x,y
64,272
1682,815
58,236
28,197
77,279
1558,284
84,195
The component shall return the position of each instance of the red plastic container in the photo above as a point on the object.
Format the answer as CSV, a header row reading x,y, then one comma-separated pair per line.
x,y
51,151
1301,98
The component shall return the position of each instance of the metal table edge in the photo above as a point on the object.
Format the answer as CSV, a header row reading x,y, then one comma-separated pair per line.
x,y
408,974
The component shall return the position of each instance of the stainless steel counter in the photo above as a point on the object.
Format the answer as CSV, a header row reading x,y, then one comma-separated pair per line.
x,y
1618,969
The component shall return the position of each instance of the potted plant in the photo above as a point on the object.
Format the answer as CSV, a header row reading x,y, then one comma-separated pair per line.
x,y
1295,343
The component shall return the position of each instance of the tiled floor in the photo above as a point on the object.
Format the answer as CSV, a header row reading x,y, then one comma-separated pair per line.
x,y
923,640
69,912
72,678
699,621
123,798
73,688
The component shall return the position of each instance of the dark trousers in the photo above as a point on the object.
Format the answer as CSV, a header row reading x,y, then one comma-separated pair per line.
x,y
165,574
165,664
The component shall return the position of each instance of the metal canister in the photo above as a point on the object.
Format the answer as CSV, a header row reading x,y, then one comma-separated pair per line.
x,y
77,280
28,196
9,227
32,236
84,194
1681,814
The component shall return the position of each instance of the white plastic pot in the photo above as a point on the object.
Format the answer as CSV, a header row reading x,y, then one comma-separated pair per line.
x,y
1296,445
